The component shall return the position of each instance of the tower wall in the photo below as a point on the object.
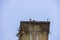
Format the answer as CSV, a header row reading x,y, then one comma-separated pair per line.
x,y
38,30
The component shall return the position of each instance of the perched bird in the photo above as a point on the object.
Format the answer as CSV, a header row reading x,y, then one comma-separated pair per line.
x,y
30,19
47,19
33,20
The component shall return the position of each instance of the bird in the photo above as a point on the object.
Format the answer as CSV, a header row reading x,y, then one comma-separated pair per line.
x,y
33,20
30,19
47,19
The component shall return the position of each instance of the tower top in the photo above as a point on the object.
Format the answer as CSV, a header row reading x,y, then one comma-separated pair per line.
x,y
36,29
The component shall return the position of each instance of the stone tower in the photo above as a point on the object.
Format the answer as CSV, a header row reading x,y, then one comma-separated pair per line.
x,y
34,30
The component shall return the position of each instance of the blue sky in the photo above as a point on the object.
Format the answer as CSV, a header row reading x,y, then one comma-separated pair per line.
x,y
14,11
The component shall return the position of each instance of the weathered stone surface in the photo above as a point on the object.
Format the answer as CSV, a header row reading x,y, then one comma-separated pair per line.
x,y
33,30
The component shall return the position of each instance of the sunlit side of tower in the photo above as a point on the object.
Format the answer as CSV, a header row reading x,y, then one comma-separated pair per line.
x,y
34,30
